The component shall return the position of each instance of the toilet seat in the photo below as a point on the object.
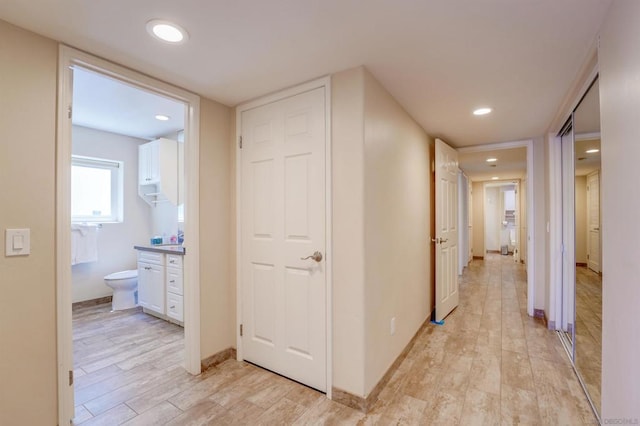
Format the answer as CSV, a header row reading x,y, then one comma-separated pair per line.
x,y
122,275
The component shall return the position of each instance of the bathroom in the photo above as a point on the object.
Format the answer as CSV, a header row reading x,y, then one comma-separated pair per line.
x,y
111,211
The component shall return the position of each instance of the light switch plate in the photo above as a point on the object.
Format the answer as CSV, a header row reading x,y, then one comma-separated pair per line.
x,y
17,242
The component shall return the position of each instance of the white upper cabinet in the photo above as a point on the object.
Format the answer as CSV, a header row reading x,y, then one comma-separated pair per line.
x,y
149,163
158,171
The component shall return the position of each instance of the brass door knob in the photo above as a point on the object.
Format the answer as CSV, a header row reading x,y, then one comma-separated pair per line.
x,y
317,256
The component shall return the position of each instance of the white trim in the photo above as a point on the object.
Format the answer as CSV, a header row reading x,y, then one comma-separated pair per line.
x,y
525,143
528,144
66,409
324,82
586,136
69,57
568,236
329,233
554,256
555,232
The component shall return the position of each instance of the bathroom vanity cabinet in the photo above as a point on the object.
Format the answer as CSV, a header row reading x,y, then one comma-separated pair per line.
x,y
160,284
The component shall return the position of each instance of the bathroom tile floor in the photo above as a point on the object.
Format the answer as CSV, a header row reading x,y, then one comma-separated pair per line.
x,y
488,364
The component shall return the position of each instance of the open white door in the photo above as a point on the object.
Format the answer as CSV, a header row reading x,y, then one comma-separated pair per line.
x,y
283,237
446,239
593,220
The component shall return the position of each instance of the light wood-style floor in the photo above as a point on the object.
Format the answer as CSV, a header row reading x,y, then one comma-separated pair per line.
x,y
488,364
589,330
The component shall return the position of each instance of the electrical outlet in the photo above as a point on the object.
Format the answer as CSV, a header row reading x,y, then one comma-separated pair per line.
x,y
393,326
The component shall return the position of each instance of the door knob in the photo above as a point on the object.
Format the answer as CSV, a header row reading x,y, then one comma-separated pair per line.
x,y
439,240
317,256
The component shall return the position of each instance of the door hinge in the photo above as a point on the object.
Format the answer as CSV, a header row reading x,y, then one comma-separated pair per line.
x,y
70,377
241,330
240,142
587,257
70,111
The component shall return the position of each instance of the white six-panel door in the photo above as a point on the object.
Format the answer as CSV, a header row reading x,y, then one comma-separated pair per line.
x,y
446,244
282,222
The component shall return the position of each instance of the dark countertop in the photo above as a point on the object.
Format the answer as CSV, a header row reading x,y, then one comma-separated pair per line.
x,y
167,249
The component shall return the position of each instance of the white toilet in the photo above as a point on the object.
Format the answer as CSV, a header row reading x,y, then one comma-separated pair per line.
x,y
124,285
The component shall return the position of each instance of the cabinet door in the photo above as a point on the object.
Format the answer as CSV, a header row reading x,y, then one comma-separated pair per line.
x,y
148,163
151,292
144,155
154,162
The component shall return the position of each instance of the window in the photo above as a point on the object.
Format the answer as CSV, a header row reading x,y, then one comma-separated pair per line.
x,y
96,190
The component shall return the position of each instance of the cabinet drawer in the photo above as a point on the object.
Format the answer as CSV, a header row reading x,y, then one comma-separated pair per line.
x,y
150,257
174,260
174,306
174,280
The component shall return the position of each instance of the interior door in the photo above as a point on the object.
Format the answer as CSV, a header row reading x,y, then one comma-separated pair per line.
x,y
283,237
593,221
446,240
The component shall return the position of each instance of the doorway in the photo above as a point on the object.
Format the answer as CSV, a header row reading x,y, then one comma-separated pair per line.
x,y
501,217
284,234
504,163
69,59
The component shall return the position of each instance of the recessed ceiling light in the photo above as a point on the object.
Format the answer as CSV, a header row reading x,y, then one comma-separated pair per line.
x,y
592,151
167,31
495,178
482,111
491,160
162,117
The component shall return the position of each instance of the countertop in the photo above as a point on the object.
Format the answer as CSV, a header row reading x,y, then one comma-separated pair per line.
x,y
167,249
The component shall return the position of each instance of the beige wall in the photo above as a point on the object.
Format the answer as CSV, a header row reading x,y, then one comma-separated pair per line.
x,y
28,374
347,133
539,233
28,371
478,218
397,228
619,64
581,219
217,292
381,227
493,200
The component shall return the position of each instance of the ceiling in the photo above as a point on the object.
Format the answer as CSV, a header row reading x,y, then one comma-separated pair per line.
x,y
511,164
586,163
587,132
102,103
439,58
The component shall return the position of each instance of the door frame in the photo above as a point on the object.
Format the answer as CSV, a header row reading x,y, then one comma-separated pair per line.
x,y
589,196
556,249
69,57
323,82
530,176
463,221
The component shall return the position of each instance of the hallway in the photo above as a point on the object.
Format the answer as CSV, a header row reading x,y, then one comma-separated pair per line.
x,y
489,364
